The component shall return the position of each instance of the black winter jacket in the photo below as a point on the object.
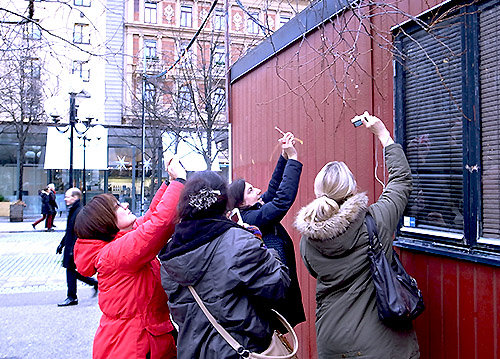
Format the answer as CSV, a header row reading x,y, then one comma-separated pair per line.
x,y
278,199
69,238
46,208
52,203
237,278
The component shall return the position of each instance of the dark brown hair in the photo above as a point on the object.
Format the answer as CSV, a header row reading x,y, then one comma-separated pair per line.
x,y
236,194
97,220
203,179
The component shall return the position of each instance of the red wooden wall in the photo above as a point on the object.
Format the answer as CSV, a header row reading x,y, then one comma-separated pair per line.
x,y
315,96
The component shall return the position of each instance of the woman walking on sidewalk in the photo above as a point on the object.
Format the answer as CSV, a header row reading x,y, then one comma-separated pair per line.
x,y
122,250
46,208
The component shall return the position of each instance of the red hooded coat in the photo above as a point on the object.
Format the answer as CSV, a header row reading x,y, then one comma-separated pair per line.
x,y
135,319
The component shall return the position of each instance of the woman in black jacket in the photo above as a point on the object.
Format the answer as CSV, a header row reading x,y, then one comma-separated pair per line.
x,y
267,210
46,209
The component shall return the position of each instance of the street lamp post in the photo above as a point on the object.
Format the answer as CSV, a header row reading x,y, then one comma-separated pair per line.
x,y
81,127
86,131
72,121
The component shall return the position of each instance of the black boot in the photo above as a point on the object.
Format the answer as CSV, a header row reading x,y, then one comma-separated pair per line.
x,y
68,302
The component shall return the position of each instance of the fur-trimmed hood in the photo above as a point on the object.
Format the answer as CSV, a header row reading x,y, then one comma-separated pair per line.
x,y
348,219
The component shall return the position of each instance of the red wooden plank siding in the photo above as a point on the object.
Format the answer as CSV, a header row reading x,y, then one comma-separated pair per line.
x,y
462,316
295,92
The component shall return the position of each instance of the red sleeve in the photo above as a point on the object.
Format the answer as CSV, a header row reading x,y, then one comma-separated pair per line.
x,y
142,244
152,206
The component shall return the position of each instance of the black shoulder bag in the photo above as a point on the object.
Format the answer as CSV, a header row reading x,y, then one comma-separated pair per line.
x,y
399,300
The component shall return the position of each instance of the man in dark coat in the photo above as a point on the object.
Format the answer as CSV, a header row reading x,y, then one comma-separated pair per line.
x,y
72,199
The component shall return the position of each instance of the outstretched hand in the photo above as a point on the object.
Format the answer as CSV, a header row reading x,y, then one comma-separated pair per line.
x,y
175,169
59,249
377,127
287,146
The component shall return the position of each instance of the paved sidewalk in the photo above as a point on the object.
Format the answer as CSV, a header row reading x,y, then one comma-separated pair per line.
x,y
25,226
32,282
28,259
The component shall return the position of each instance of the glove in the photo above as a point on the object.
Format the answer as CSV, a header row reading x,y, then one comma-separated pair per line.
x,y
59,249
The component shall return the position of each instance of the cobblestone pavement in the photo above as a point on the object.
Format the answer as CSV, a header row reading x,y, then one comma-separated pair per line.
x,y
32,282
28,259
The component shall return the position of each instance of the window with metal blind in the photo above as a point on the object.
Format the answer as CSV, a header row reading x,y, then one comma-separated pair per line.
x,y
489,70
433,118
447,106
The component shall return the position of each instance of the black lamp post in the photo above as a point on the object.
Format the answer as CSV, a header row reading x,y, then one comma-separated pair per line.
x,y
53,109
86,131
81,127
72,121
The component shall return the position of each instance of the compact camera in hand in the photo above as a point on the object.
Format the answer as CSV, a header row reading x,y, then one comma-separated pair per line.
x,y
358,120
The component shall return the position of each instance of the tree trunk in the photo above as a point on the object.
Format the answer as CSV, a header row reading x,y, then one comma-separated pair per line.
x,y
20,170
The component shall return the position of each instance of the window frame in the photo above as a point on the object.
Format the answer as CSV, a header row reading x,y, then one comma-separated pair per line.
x,y
188,58
82,68
252,27
150,8
219,100
186,17
33,68
469,246
85,3
219,21
147,49
149,92
84,33
32,31
219,56
184,95
282,17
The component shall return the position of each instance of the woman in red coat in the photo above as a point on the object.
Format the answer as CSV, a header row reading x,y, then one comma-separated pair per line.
x,y
122,250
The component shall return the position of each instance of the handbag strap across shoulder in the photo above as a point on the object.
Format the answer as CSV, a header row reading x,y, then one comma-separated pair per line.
x,y
227,337
244,353
371,226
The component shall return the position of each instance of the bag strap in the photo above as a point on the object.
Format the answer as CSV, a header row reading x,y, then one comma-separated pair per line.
x,y
371,226
233,343
227,337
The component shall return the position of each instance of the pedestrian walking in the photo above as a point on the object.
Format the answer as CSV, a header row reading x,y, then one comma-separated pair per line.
x,y
266,212
334,248
52,207
122,249
45,208
72,198
236,276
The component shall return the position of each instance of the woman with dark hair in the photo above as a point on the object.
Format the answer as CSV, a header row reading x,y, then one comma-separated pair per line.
x,y
235,275
266,212
122,250
45,209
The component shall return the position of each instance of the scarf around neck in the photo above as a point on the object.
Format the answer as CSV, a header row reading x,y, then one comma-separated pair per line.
x,y
192,234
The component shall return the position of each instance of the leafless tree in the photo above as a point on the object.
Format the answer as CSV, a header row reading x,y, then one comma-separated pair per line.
x,y
21,88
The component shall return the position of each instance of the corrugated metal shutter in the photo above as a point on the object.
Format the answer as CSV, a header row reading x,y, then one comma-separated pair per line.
x,y
433,98
489,47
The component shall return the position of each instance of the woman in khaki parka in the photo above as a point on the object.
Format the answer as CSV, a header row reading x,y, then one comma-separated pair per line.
x,y
334,248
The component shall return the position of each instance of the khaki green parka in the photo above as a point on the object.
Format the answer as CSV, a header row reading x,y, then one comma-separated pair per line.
x,y
335,252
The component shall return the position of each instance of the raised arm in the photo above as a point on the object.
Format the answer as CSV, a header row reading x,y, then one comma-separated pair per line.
x,y
152,206
274,211
142,244
390,206
288,151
